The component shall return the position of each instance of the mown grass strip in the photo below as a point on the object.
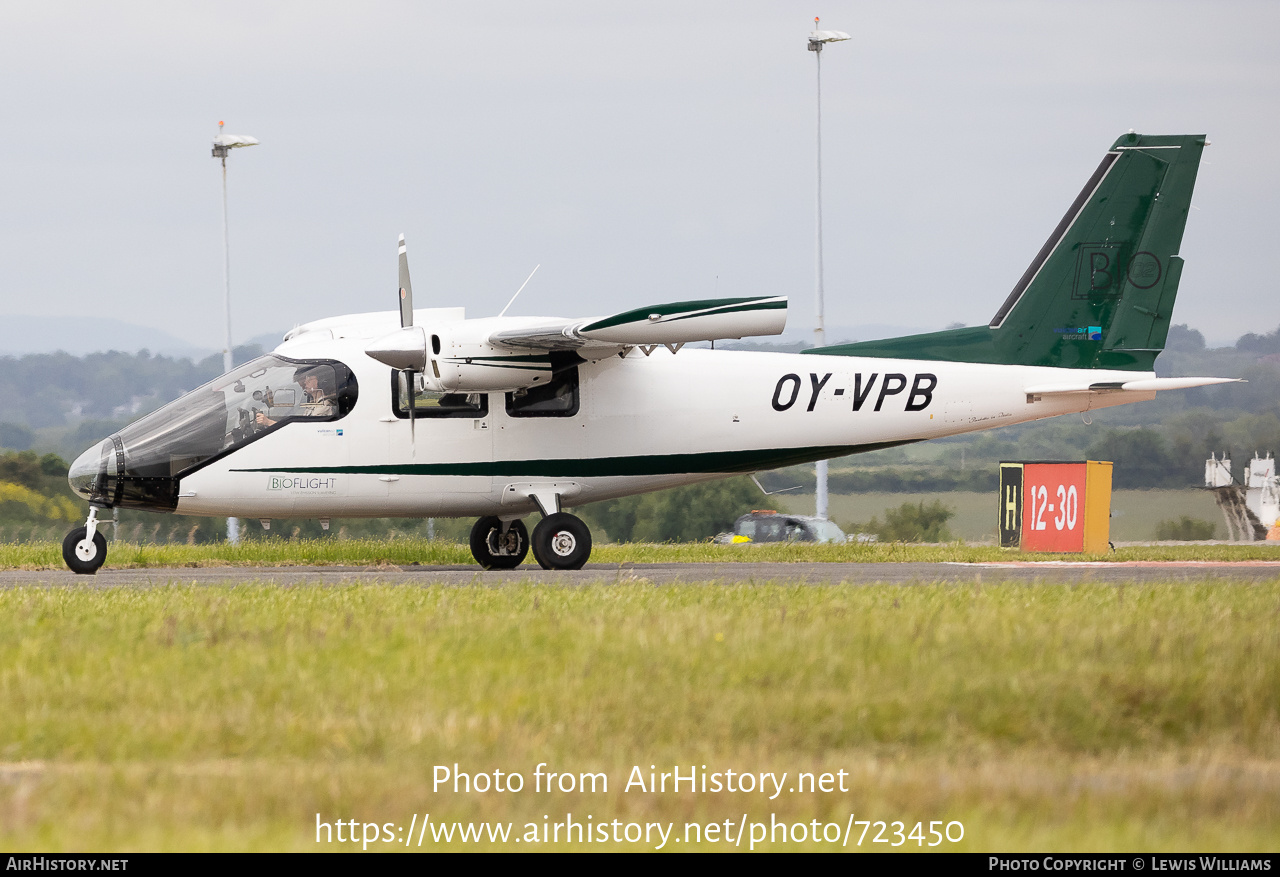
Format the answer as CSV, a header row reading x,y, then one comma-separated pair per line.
x,y
1043,716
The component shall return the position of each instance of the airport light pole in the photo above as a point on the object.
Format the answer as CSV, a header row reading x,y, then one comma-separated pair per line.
x,y
818,39
223,144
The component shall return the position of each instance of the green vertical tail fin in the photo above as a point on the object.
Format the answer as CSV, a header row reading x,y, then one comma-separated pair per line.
x,y
1100,292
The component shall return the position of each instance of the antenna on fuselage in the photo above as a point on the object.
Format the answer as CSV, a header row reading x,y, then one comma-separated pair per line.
x,y
521,289
772,492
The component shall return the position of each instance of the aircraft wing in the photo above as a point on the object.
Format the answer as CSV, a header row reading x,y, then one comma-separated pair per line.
x,y
672,323
1145,385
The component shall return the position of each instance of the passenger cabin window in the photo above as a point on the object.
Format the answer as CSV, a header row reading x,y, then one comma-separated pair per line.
x,y
429,403
556,399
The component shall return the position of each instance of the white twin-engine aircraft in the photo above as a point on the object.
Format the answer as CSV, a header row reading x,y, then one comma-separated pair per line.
x,y
501,417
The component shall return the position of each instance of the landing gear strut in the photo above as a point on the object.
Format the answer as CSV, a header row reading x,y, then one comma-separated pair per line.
x,y
84,549
495,546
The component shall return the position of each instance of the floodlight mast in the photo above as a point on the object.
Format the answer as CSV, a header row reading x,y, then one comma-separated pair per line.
x,y
817,39
222,144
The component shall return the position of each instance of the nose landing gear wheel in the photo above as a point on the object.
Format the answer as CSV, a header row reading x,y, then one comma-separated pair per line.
x,y
561,541
494,549
84,556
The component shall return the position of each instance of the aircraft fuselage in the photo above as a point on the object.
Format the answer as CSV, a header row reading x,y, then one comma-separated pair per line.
x,y
642,423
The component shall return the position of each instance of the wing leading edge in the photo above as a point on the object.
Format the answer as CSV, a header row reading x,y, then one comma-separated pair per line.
x,y
670,323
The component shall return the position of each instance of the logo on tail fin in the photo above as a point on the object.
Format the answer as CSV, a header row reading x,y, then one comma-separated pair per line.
x,y
1144,270
1096,270
1079,333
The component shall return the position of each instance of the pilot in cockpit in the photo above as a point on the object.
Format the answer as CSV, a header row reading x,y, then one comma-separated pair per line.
x,y
317,399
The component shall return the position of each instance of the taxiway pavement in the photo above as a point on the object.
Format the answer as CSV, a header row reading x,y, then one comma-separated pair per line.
x,y
665,573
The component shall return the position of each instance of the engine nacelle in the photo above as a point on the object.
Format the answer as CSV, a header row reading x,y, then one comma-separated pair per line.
x,y
487,369
449,362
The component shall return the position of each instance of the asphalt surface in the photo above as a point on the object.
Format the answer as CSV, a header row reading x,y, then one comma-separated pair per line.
x,y
665,573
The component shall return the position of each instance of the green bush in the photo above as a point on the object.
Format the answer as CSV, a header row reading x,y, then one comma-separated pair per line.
x,y
914,522
683,514
1185,529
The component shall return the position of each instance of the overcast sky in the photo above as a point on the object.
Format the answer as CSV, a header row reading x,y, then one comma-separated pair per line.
x,y
640,151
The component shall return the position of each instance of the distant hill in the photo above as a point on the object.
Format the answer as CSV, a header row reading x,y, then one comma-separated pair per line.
x,y
21,335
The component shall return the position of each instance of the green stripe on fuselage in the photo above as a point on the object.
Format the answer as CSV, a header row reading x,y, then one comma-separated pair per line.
x,y
526,364
721,462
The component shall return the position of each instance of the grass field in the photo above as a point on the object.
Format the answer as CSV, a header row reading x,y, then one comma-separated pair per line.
x,y
403,552
1041,717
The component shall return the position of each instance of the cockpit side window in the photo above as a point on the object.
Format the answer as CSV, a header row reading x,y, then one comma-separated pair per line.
x,y
250,401
280,391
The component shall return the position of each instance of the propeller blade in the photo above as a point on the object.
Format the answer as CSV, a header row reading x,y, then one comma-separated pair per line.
x,y
406,289
413,414
408,384
406,320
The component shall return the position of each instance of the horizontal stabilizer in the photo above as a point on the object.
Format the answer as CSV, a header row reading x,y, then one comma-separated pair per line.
x,y
672,323
1139,386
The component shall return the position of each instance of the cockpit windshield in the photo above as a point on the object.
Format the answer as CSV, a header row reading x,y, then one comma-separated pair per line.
x,y
139,466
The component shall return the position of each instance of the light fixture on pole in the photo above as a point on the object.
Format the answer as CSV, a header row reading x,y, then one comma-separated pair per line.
x,y
222,144
818,39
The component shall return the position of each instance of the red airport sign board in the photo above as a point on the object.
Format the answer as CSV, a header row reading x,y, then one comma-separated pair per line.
x,y
1058,507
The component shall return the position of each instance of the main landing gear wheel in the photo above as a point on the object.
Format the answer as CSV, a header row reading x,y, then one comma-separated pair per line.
x,y
561,541
84,556
494,549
